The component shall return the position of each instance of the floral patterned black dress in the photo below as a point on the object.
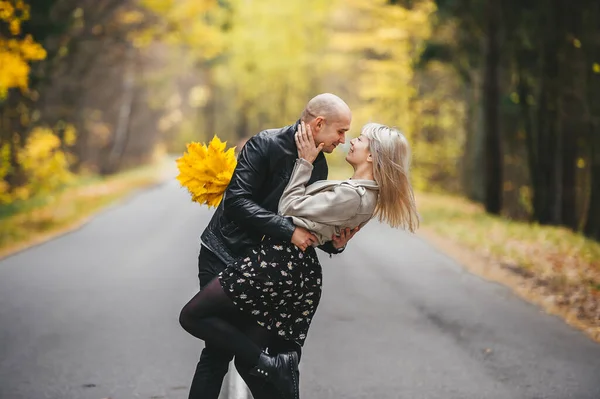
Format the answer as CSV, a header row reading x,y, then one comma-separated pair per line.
x,y
278,285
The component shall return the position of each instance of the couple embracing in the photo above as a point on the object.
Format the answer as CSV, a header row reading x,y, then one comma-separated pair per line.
x,y
260,277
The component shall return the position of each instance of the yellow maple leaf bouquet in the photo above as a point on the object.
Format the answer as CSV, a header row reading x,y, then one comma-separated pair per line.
x,y
205,170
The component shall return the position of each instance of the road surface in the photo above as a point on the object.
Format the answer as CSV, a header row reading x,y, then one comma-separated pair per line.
x,y
93,314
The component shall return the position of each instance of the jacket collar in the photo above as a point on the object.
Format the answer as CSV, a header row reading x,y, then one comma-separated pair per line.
x,y
370,184
360,185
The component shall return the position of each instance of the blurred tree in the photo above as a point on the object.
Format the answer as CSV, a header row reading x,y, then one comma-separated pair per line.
x,y
381,48
16,50
493,154
590,43
273,61
457,40
502,97
536,59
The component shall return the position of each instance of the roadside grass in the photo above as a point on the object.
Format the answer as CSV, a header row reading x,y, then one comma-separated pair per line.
x,y
557,263
30,222
546,251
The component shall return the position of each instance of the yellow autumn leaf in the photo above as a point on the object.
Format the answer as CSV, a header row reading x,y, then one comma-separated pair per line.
x,y
15,27
205,170
69,136
16,52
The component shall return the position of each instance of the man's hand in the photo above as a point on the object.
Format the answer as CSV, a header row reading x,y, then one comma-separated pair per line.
x,y
303,238
345,236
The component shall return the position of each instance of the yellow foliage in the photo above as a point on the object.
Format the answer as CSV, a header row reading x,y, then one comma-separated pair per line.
x,y
193,23
5,168
15,54
131,17
385,77
69,136
363,50
275,53
4,160
382,47
7,11
44,162
206,170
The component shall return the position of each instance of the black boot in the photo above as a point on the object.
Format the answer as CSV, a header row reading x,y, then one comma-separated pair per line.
x,y
282,371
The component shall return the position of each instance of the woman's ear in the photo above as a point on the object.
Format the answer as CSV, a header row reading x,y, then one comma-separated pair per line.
x,y
369,158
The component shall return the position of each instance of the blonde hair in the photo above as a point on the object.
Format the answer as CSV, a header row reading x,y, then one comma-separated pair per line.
x,y
391,166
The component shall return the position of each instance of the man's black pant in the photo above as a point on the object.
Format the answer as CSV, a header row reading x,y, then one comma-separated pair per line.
x,y
214,363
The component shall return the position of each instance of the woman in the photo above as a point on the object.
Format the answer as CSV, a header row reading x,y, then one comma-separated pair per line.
x,y
278,285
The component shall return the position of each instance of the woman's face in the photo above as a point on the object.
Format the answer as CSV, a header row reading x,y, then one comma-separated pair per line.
x,y
359,151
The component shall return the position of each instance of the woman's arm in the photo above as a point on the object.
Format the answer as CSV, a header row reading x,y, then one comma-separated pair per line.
x,y
329,207
308,151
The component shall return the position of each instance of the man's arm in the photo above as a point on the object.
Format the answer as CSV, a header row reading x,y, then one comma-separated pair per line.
x,y
249,176
330,249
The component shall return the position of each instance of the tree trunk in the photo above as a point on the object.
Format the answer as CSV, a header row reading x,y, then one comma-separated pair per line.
x,y
572,115
124,116
592,224
524,91
472,157
568,210
12,109
547,201
493,155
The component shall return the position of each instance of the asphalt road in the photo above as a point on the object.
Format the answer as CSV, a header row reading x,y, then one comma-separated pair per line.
x,y
93,314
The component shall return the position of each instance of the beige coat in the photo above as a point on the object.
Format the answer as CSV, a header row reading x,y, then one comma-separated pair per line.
x,y
327,206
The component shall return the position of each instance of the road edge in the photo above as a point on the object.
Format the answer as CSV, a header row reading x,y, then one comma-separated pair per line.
x,y
79,224
492,270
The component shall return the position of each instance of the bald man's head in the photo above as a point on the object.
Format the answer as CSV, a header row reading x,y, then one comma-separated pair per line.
x,y
326,105
329,118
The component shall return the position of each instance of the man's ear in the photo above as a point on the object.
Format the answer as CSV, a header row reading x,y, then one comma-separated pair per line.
x,y
319,122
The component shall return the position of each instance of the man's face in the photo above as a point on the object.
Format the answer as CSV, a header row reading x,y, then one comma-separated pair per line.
x,y
331,132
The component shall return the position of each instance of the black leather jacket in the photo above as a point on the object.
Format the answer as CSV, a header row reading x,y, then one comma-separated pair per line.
x,y
248,210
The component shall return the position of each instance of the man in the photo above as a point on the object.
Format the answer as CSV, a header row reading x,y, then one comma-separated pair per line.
x,y
248,212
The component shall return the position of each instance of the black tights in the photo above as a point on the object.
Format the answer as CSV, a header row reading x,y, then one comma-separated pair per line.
x,y
211,316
